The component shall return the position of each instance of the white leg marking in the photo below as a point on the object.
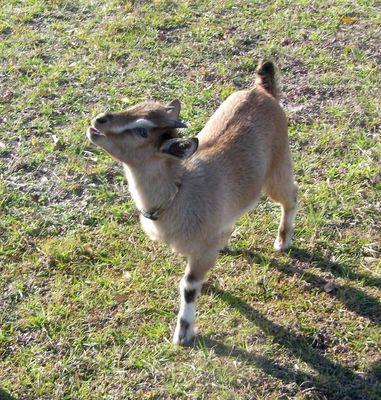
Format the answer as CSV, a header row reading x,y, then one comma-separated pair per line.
x,y
288,223
185,330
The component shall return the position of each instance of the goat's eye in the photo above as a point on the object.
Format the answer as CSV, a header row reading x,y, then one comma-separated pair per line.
x,y
142,132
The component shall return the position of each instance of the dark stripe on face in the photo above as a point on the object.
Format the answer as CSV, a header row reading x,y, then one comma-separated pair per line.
x,y
189,295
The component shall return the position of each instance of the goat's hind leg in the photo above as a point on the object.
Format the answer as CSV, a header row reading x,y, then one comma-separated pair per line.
x,y
286,226
282,188
190,288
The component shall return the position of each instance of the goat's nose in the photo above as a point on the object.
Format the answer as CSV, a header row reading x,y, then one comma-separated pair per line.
x,y
102,118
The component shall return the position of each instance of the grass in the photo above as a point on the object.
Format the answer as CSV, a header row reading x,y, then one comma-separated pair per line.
x,y
88,303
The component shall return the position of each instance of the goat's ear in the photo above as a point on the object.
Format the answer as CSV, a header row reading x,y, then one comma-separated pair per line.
x,y
173,108
179,148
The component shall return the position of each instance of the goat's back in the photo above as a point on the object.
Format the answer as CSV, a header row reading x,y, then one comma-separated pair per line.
x,y
241,142
238,149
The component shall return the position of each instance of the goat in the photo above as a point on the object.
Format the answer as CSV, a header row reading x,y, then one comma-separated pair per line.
x,y
191,191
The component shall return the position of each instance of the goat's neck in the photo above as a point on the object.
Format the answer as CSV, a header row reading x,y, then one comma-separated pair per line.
x,y
152,186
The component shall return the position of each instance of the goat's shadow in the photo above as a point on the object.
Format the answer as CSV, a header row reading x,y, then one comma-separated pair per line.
x,y
334,381
4,395
352,298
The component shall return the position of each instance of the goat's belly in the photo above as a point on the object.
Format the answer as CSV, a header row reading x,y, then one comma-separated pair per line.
x,y
233,214
252,206
211,234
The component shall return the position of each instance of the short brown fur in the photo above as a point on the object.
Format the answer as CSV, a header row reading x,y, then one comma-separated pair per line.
x,y
203,185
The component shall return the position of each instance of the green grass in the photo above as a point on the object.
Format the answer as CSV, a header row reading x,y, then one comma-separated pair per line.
x,y
88,303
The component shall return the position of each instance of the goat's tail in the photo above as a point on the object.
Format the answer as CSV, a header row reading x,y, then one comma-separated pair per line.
x,y
267,78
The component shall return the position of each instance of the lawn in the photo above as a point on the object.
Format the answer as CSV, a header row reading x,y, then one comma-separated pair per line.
x,y
88,303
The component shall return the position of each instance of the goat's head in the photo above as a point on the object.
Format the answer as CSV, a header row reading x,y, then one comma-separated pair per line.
x,y
142,132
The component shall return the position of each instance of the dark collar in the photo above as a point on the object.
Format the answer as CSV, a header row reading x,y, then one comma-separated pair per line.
x,y
155,212
152,214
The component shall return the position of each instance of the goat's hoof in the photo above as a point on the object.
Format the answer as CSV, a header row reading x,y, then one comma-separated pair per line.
x,y
226,250
184,333
282,245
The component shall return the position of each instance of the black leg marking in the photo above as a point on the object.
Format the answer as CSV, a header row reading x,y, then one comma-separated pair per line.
x,y
191,277
184,324
189,295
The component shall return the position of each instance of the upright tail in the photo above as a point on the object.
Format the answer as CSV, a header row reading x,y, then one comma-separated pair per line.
x,y
266,77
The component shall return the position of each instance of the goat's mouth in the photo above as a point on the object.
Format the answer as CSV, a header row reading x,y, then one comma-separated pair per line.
x,y
93,133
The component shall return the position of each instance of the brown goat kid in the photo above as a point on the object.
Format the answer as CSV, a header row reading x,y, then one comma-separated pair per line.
x,y
190,192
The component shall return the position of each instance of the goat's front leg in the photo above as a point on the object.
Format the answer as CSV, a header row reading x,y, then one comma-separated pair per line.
x,y
190,288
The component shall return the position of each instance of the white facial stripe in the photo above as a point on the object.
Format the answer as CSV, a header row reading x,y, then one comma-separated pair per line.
x,y
138,123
